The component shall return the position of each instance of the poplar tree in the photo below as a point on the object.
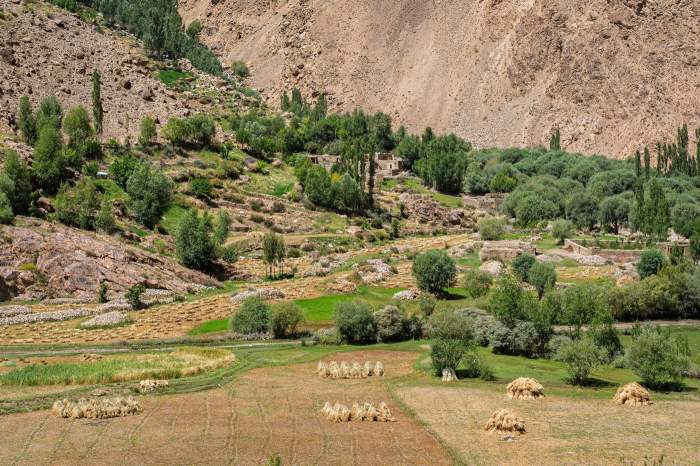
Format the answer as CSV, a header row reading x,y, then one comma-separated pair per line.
x,y
97,110
26,121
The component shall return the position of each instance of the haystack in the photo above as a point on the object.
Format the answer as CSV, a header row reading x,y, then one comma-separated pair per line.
x,y
378,369
338,413
632,394
505,421
322,369
356,371
334,370
448,375
90,357
367,369
524,388
385,413
96,408
148,386
344,370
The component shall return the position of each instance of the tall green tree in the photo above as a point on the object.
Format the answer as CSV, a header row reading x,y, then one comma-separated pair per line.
x,y
657,215
150,192
555,140
16,183
26,121
50,113
193,241
97,110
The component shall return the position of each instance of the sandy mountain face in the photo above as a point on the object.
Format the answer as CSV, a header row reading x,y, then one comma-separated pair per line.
x,y
613,74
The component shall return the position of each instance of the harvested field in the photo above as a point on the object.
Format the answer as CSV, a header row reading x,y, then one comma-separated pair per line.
x,y
266,411
559,430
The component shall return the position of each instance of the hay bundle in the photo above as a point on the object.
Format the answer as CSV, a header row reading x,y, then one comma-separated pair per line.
x,y
339,413
334,370
356,371
505,421
524,388
148,386
632,394
322,369
327,409
96,408
344,370
367,369
359,412
378,369
449,375
385,414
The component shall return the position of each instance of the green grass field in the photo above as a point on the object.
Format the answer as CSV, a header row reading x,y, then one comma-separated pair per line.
x,y
210,326
171,76
321,309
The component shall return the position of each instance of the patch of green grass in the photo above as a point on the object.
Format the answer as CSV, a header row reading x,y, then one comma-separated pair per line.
x,y
472,260
321,309
417,187
111,190
171,76
210,326
280,189
171,218
138,231
330,221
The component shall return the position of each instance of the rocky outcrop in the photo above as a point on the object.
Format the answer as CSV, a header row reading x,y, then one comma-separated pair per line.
x,y
42,260
504,251
425,210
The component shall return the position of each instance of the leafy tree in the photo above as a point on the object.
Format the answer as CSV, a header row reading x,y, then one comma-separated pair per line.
x,y
522,265
390,323
582,209
434,271
194,245
348,196
531,210
504,181
273,251
147,131
122,169
17,185
656,212
604,334
76,125
285,319
78,206
579,303
97,110
222,228
355,322
104,221
317,186
451,337
562,229
102,293
650,263
657,357
50,113
26,121
505,300
581,356
684,217
253,316
150,192
6,214
614,212
410,150
543,277
133,297
48,159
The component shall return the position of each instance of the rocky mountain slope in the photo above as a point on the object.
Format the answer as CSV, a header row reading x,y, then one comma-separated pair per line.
x,y
613,74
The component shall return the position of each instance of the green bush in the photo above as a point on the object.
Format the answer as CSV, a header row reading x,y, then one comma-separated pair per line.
x,y
658,358
285,319
6,214
133,297
121,169
76,125
253,316
78,206
15,182
147,131
355,322
434,270
581,357
505,300
102,293
491,229
651,261
390,322
49,162
522,265
229,254
427,304
240,68
477,283
201,188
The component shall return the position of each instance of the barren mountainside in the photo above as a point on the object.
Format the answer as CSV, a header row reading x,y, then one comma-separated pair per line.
x,y
612,74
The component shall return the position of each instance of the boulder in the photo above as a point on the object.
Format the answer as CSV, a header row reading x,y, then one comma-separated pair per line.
x,y
493,268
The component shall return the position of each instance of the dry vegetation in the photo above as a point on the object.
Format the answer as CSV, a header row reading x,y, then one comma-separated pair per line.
x,y
96,408
524,388
632,394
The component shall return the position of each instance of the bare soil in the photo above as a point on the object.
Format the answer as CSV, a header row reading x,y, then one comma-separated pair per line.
x,y
559,430
267,411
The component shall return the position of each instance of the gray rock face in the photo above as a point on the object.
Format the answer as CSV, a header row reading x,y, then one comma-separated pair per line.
x,y
71,262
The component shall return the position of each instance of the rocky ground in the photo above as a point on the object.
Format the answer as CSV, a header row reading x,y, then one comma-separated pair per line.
x,y
612,74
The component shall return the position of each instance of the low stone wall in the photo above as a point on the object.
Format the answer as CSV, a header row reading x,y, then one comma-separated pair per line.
x,y
619,256
504,251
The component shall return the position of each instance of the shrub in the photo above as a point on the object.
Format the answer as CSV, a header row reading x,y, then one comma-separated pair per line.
x,y
121,169
133,296
522,265
543,277
201,188
240,68
477,283
491,229
658,358
76,125
150,192
229,254
650,263
15,182
427,304
78,206
582,209
285,319
476,366
562,229
434,270
48,163
452,335
6,214
605,336
252,317
102,293
390,323
579,303
581,357
355,322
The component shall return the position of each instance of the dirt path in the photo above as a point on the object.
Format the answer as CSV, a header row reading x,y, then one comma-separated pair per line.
x,y
267,411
